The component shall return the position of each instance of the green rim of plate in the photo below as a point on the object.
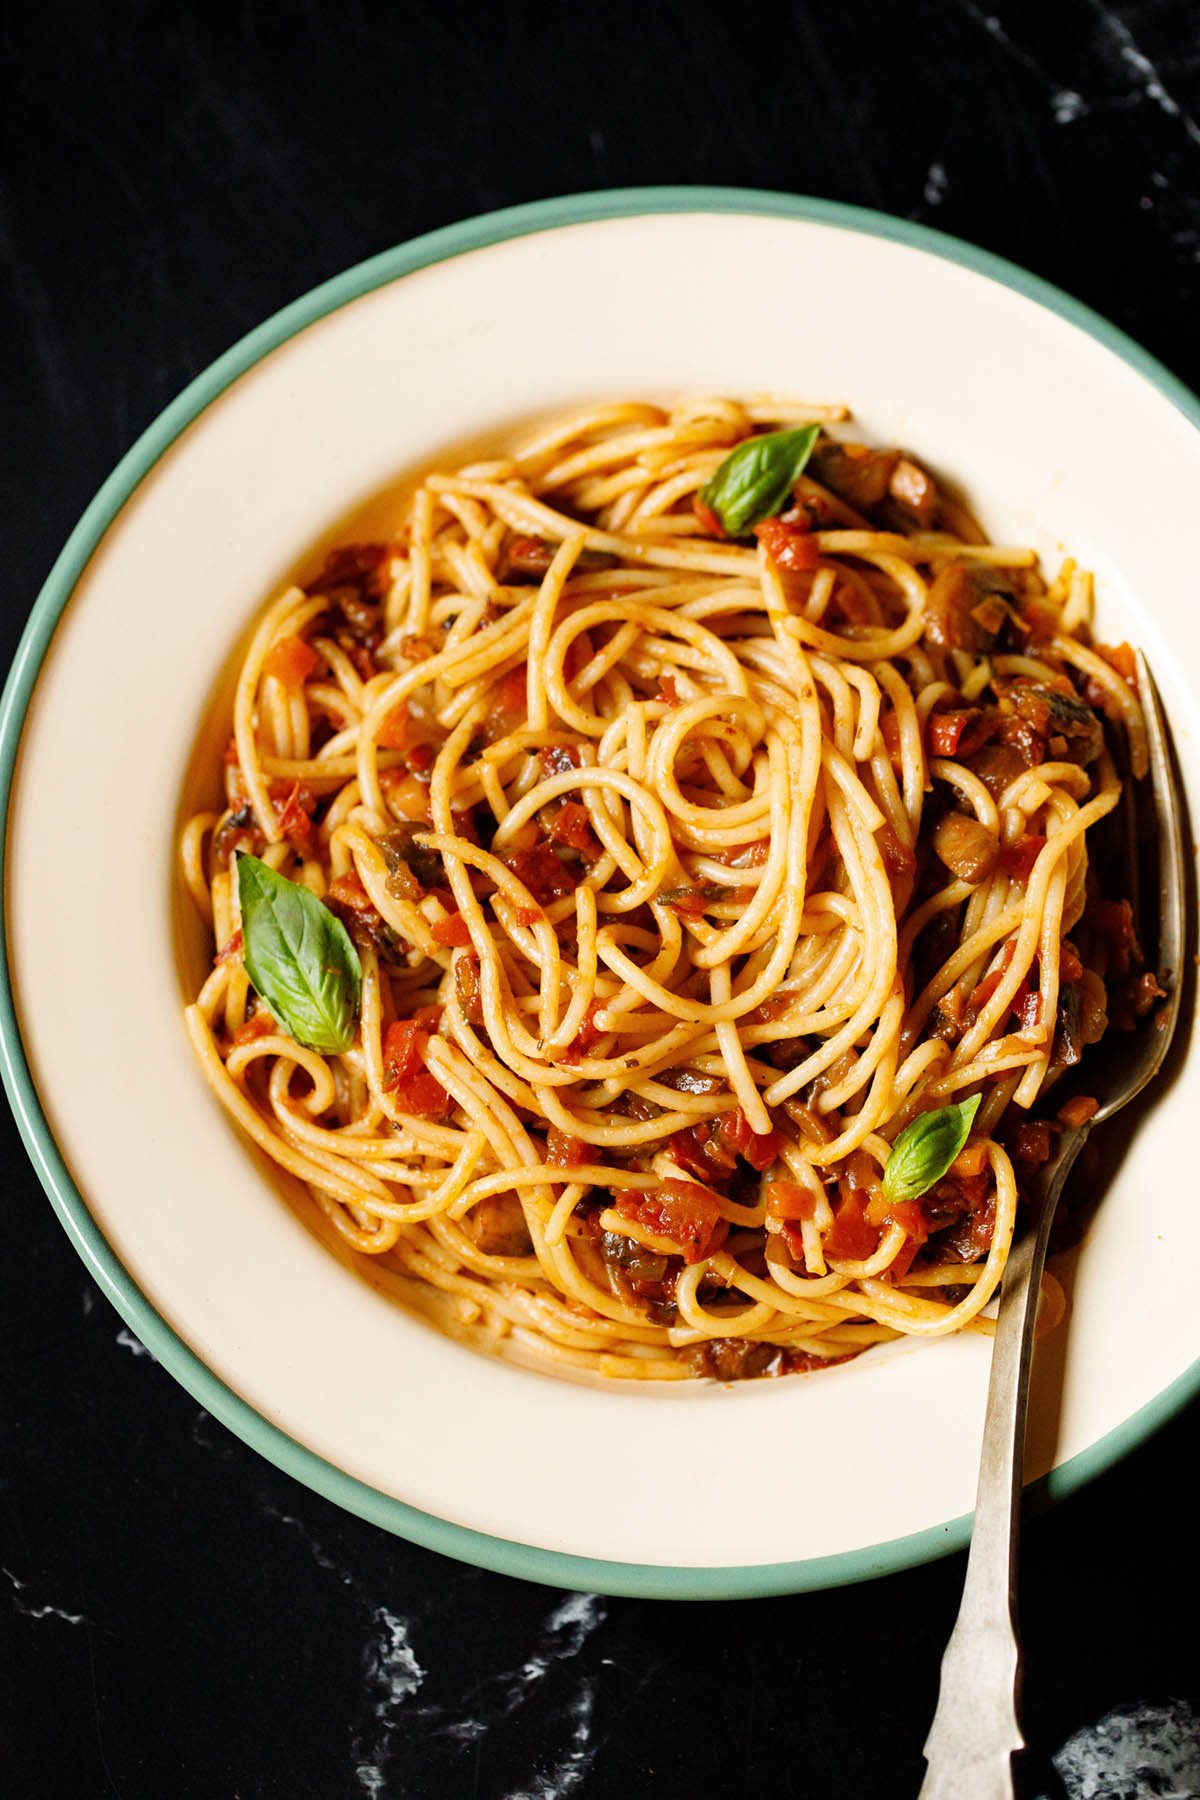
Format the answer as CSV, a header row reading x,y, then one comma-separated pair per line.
x,y
510,1558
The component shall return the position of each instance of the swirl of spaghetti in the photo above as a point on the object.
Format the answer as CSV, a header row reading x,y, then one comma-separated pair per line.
x,y
683,873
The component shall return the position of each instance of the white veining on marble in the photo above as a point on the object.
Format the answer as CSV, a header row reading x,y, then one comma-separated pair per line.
x,y
216,1442
936,183
208,1435
128,1342
1144,1751
321,1557
1147,75
393,1675
1067,106
1065,103
501,1696
26,1611
392,1666
570,1768
464,1731
991,24
565,1633
1178,211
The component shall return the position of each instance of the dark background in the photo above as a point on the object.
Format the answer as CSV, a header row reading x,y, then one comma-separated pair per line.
x,y
181,1619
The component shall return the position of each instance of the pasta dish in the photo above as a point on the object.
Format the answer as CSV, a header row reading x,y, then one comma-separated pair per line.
x,y
650,890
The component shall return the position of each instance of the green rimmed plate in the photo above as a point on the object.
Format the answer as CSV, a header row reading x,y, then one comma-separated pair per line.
x,y
980,368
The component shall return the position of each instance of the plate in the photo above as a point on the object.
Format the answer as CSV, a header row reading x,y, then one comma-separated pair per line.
x,y
1064,434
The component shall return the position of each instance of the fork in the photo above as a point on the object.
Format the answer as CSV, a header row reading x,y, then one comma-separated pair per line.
x,y
976,1728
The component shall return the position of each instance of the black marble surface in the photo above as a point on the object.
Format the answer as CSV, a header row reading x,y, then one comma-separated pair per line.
x,y
181,1619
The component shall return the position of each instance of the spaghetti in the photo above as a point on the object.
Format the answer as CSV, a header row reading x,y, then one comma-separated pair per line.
x,y
684,873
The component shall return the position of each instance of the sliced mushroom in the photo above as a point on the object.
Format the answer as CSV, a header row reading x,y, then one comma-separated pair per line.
x,y
733,1359
969,604
1056,715
855,472
968,848
498,1226
997,765
914,491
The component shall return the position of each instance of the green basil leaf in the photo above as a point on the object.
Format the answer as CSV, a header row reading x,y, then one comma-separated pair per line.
x,y
926,1148
755,479
299,957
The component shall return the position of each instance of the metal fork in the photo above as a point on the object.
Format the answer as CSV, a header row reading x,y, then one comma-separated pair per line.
x,y
976,1729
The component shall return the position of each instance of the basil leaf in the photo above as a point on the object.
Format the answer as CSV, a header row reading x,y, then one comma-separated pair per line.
x,y
926,1148
755,479
299,957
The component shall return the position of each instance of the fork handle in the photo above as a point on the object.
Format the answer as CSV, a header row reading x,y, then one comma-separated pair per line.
x,y
976,1729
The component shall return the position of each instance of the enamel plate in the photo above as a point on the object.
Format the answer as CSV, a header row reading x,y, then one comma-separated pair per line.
x,y
1064,434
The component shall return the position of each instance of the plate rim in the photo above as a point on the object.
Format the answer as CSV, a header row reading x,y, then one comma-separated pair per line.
x,y
506,1556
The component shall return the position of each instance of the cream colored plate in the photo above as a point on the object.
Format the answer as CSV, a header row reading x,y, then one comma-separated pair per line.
x,y
1060,438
